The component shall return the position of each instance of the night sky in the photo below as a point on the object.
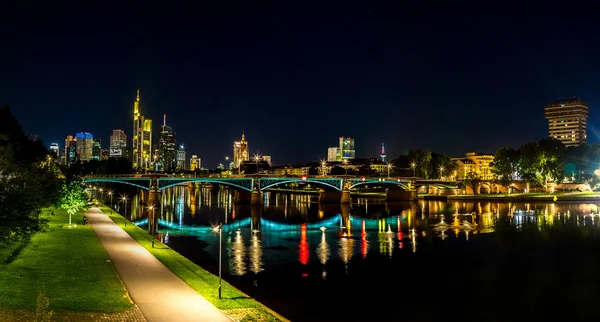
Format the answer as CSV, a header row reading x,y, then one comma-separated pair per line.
x,y
295,78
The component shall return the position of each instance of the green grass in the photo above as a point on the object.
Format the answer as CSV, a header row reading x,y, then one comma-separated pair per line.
x,y
234,302
70,264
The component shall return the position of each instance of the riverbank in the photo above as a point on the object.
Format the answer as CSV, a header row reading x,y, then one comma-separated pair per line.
x,y
72,269
576,197
234,303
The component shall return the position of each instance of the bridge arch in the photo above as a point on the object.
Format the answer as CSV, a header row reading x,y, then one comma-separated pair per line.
x,y
383,182
333,183
142,183
246,184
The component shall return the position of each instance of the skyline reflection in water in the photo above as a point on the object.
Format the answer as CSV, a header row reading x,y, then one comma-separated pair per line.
x,y
264,238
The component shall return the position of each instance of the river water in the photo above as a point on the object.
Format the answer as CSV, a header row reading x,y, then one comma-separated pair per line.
x,y
372,260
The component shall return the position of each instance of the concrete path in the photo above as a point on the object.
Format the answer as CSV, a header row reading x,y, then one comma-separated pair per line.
x,y
158,292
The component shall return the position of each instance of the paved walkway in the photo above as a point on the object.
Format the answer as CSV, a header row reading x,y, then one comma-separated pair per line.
x,y
158,292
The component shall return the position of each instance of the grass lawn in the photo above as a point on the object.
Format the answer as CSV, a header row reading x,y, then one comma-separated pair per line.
x,y
70,264
234,303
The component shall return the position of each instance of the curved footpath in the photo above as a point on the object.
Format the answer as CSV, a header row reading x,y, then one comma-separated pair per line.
x,y
159,293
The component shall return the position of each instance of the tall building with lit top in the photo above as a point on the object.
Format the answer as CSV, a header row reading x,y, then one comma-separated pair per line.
x,y
84,146
167,147
567,121
142,138
118,144
54,148
70,153
382,155
240,152
180,158
346,149
332,154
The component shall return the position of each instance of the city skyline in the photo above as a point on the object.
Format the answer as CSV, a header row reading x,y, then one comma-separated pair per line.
x,y
304,81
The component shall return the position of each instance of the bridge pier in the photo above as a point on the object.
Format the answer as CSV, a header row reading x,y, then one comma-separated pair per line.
x,y
334,197
400,195
254,198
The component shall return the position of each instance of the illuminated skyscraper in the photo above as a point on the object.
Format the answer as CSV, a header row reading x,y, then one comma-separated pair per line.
x,y
195,163
142,138
346,149
166,147
240,151
96,149
567,121
70,153
181,158
118,144
85,146
54,148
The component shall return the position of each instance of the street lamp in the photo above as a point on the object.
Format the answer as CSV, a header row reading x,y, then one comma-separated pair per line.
x,y
153,224
111,204
219,229
441,172
346,166
389,167
256,159
124,200
323,164
414,167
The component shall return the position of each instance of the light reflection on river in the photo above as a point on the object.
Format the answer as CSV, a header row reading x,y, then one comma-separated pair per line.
x,y
294,243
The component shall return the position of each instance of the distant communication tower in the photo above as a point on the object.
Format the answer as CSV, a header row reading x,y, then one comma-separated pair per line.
x,y
382,155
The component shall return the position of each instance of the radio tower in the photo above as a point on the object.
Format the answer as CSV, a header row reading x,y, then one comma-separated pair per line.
x,y
382,152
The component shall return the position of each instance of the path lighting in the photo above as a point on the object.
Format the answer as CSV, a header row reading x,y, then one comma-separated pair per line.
x,y
153,224
124,200
111,204
346,166
219,229
441,172
389,168
414,167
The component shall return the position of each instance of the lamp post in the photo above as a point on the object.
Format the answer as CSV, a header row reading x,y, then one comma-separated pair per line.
x,y
389,167
323,164
111,204
414,168
256,159
124,200
153,224
346,166
101,194
219,229
441,172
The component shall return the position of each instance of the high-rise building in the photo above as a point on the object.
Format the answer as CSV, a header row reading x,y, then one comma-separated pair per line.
x,y
383,155
240,151
54,148
181,157
118,144
142,138
85,146
567,121
195,163
96,149
70,153
346,149
332,154
166,147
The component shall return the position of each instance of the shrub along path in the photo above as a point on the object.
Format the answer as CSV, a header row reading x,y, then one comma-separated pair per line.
x,y
69,265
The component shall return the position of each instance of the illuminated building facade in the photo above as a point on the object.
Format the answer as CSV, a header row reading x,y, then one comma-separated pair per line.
x,y
55,149
567,121
346,149
84,146
332,154
118,144
267,159
142,138
195,163
240,151
167,148
96,149
181,158
474,162
70,153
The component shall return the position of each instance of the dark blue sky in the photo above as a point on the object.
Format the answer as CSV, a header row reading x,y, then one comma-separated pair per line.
x,y
450,79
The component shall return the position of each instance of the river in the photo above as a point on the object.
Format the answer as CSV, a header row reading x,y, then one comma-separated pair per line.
x,y
421,261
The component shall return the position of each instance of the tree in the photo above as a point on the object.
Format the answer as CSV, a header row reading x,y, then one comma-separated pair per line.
x,y
505,165
73,197
472,179
29,181
551,161
441,164
422,161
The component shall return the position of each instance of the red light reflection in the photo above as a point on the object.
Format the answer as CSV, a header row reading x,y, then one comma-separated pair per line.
x,y
303,251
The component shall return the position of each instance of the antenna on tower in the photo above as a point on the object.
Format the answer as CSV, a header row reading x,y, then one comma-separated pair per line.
x,y
382,152
164,119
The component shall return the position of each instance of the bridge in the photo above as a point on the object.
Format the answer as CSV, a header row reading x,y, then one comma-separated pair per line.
x,y
249,189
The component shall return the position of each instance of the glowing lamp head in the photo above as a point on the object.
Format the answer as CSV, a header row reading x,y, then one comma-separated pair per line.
x,y
399,180
303,178
363,179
